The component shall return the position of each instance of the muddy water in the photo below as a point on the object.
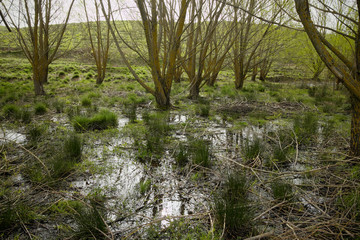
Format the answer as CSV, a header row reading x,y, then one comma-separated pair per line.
x,y
11,135
171,193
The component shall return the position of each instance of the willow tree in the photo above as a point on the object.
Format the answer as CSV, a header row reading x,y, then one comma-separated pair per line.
x,y
3,20
36,33
163,25
345,68
207,44
99,38
250,33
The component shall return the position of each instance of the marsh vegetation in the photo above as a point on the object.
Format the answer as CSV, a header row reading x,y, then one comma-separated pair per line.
x,y
142,132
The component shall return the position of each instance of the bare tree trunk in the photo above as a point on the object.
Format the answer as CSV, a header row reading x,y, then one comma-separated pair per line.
x,y
240,75
355,127
194,90
254,73
262,76
39,74
239,81
213,79
347,71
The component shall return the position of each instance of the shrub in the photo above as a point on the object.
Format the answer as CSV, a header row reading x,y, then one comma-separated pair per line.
x,y
232,209
281,190
100,121
40,108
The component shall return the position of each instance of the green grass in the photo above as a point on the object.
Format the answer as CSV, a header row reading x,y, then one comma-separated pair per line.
x,y
103,120
86,101
252,149
59,105
306,127
40,109
281,190
64,162
14,214
181,157
202,110
232,209
144,186
73,146
35,133
90,222
200,152
11,111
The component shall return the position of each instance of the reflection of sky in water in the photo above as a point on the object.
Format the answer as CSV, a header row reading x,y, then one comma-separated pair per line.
x,y
11,135
171,194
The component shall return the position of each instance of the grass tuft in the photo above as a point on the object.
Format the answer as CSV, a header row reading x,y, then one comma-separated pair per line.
x,y
306,127
11,111
90,222
232,209
100,121
86,102
201,153
40,108
252,150
281,191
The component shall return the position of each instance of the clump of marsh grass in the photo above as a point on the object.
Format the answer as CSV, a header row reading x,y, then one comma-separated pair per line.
x,y
35,132
281,190
86,101
181,156
200,153
306,128
100,121
90,221
157,126
11,111
40,109
232,208
202,109
65,161
252,149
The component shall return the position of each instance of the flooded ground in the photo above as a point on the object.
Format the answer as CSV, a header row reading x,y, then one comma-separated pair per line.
x,y
142,185
157,191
